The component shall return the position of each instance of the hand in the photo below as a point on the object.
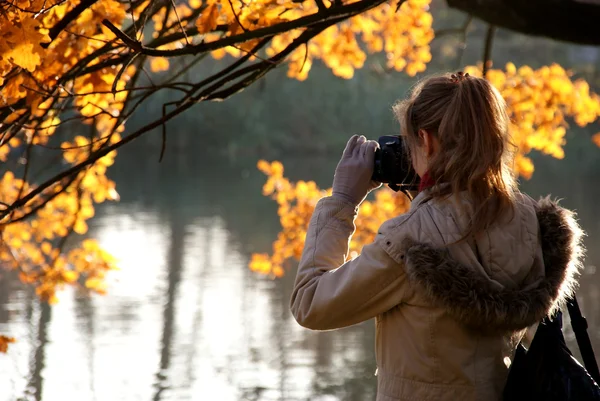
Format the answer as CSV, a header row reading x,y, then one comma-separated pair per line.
x,y
352,180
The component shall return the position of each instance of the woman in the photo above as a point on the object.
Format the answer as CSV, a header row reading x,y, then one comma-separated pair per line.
x,y
455,282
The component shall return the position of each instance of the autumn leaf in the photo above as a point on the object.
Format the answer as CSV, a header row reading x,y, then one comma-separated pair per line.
x,y
207,21
4,341
70,276
596,139
24,56
159,64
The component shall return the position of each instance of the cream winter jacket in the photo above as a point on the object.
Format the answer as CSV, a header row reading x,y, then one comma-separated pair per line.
x,y
447,315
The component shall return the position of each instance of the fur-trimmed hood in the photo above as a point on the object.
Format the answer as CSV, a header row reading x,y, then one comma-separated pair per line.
x,y
480,302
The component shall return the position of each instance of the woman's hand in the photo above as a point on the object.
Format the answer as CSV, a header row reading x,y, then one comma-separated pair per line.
x,y
352,180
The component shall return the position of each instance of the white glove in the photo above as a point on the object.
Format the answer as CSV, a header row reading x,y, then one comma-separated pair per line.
x,y
352,180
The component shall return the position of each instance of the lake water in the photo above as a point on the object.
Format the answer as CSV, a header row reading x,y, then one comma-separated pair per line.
x,y
185,319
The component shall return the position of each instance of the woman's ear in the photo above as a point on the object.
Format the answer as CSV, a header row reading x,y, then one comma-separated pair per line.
x,y
427,140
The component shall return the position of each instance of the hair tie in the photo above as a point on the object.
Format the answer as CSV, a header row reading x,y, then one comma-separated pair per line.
x,y
459,77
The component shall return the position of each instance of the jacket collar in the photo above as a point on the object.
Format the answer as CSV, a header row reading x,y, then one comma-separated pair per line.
x,y
424,196
475,301
421,196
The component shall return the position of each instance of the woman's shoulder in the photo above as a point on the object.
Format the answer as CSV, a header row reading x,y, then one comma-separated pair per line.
x,y
438,221
411,223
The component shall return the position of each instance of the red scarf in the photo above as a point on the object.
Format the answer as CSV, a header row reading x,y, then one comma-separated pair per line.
x,y
426,182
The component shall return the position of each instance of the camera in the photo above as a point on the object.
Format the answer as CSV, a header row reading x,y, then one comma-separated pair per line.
x,y
392,165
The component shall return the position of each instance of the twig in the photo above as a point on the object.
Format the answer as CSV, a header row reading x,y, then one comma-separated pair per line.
x,y
131,43
252,54
27,166
185,69
133,24
86,37
237,18
163,146
118,76
43,203
305,56
148,77
187,41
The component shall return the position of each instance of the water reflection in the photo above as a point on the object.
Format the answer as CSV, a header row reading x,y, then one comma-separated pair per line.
x,y
185,319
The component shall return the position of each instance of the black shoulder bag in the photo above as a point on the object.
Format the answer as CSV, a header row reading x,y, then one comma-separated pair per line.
x,y
548,371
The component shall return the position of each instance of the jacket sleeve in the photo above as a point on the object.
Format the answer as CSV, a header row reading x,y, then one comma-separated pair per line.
x,y
330,293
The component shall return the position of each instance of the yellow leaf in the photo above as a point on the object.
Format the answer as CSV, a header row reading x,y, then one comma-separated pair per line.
x,y
46,247
159,64
260,263
264,166
511,69
27,278
278,271
80,227
70,276
596,139
24,57
93,283
207,21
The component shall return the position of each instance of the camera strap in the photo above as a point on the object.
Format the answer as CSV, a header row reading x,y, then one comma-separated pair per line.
x,y
580,326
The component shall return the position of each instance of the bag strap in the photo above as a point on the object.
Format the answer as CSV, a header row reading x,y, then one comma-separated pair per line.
x,y
580,326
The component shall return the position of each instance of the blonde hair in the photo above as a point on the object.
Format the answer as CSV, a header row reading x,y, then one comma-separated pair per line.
x,y
468,117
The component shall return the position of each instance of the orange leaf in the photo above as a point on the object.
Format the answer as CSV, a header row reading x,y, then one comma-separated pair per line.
x,y
4,341
23,56
70,276
159,64
207,21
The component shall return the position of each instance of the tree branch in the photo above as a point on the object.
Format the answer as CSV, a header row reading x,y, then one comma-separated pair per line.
x,y
320,5
306,21
129,42
67,19
256,71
